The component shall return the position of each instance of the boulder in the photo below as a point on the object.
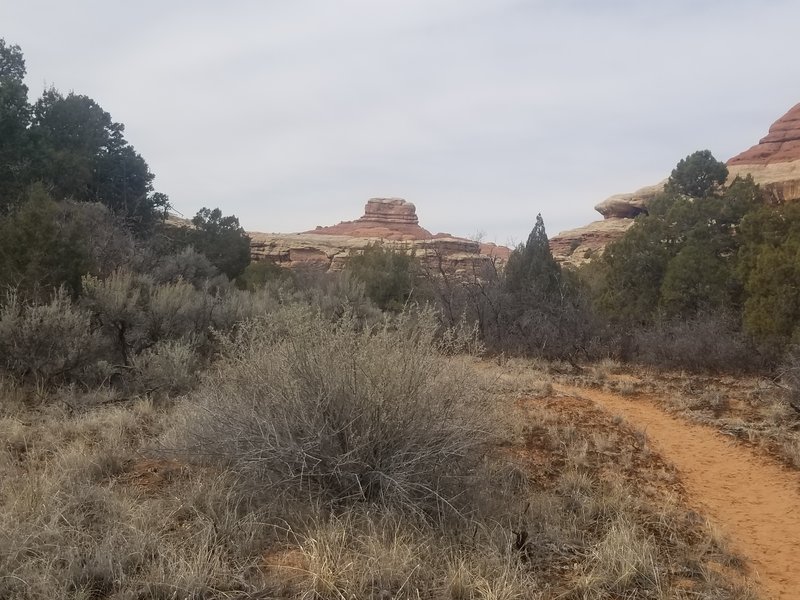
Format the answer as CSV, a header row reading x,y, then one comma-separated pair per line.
x,y
627,206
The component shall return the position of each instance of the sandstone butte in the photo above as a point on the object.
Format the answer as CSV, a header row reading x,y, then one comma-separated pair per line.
x,y
774,163
392,222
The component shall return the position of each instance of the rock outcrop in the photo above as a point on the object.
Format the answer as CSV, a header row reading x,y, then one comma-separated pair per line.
x,y
392,222
774,163
578,246
627,206
384,218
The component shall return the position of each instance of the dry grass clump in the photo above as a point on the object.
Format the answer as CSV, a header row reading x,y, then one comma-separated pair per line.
x,y
386,555
332,412
80,519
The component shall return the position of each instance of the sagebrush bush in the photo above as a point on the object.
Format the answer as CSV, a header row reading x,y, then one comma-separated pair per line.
x,y
337,295
178,311
169,367
117,303
340,414
46,342
237,306
186,265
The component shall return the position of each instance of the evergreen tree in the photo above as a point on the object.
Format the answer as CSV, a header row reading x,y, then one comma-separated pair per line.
x,y
542,310
531,268
83,155
769,266
679,258
15,114
388,275
698,175
222,240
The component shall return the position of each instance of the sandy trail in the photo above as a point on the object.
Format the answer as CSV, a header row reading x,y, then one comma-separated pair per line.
x,y
755,501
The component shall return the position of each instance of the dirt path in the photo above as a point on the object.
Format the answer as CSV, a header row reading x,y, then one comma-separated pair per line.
x,y
756,502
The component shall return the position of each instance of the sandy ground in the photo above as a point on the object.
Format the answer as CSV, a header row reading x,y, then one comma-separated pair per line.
x,y
753,500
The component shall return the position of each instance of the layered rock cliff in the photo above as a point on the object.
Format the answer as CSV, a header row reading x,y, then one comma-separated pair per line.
x,y
392,222
774,163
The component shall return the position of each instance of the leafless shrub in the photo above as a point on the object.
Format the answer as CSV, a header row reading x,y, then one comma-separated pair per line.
x,y
461,338
47,342
332,411
707,342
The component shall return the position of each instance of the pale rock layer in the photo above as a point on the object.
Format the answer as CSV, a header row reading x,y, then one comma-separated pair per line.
x,y
392,222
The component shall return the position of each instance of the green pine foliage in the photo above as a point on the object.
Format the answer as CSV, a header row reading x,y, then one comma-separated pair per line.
x,y
222,240
680,258
387,273
540,311
769,265
76,199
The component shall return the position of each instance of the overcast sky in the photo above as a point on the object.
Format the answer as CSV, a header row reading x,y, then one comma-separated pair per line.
x,y
482,112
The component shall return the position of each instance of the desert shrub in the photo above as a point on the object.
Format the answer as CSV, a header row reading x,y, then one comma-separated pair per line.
x,y
388,275
305,407
186,265
462,338
133,313
261,272
45,342
706,342
789,372
338,295
237,306
117,305
169,367
177,310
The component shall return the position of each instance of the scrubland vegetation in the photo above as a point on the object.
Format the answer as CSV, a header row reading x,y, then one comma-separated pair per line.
x,y
176,422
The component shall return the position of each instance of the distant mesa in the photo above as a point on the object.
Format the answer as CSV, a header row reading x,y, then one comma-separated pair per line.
x,y
774,163
392,222
384,218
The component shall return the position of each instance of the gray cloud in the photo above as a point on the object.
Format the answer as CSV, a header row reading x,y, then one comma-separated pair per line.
x,y
482,112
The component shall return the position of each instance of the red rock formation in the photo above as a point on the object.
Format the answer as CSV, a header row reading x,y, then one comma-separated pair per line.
x,y
384,218
774,163
781,144
391,221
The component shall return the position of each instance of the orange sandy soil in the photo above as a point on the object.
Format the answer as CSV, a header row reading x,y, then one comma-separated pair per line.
x,y
752,498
